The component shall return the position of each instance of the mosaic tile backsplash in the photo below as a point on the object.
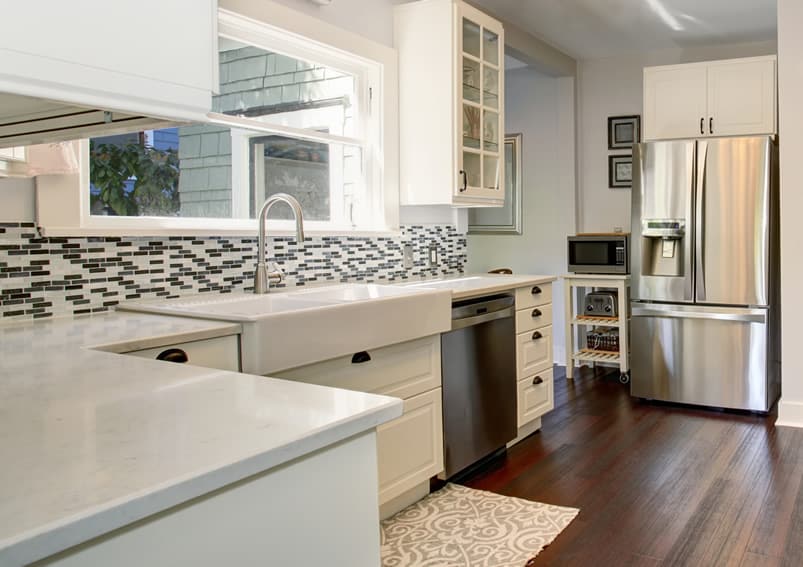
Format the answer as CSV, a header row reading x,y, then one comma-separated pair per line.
x,y
54,277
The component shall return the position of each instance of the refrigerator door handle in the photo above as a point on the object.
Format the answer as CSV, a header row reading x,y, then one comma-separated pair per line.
x,y
699,223
720,314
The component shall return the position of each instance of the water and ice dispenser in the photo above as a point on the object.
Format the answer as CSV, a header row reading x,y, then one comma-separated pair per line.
x,y
662,247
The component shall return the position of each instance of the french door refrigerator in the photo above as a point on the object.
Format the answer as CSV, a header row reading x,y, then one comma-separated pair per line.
x,y
705,281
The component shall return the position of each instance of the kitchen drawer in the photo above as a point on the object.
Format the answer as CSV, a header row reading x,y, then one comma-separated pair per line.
x,y
410,448
402,370
222,353
533,351
535,396
533,295
533,318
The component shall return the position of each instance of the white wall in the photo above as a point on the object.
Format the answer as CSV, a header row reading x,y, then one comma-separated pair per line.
x,y
17,200
790,112
613,87
541,108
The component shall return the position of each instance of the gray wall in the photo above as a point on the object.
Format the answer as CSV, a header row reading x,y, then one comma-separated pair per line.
x,y
541,108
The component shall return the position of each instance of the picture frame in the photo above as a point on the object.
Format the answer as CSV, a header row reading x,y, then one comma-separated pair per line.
x,y
620,171
623,131
508,218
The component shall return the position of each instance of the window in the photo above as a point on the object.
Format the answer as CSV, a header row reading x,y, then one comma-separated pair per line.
x,y
292,115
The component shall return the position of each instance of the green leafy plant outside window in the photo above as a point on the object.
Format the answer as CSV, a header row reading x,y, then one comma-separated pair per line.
x,y
134,180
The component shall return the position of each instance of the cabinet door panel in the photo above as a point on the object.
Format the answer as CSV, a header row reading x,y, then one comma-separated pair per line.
x,y
533,351
533,295
410,448
535,396
741,98
675,102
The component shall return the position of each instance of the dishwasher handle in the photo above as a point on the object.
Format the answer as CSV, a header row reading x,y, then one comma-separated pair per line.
x,y
476,313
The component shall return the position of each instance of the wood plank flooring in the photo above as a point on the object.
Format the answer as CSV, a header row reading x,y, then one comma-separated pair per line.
x,y
658,484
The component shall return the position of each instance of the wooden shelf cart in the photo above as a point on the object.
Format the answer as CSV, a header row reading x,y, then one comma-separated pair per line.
x,y
576,353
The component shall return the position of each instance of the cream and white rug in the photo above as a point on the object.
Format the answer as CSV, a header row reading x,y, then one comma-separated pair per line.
x,y
458,526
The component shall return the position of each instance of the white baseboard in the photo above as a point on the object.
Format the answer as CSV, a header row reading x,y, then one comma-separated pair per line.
x,y
790,414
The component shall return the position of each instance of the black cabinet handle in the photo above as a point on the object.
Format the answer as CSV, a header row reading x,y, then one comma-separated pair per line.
x,y
537,313
537,380
536,290
702,125
537,335
465,180
711,125
360,357
173,355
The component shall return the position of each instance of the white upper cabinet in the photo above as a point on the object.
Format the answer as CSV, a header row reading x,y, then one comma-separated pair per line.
x,y
146,57
716,98
451,87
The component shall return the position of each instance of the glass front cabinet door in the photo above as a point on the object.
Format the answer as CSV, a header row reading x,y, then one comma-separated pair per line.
x,y
480,65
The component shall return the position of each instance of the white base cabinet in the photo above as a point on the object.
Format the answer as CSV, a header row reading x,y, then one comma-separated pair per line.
x,y
533,356
320,509
410,448
734,97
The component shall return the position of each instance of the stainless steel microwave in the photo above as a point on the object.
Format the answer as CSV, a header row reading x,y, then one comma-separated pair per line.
x,y
599,254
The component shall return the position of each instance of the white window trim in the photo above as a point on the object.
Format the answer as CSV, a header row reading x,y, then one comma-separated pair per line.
x,y
62,206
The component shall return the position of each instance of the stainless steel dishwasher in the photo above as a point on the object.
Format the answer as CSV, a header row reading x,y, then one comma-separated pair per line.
x,y
478,363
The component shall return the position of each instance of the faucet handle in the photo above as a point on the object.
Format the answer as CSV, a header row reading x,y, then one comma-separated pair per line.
x,y
275,274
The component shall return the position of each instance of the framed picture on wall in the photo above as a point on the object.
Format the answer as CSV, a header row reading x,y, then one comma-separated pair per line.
x,y
623,132
620,171
506,219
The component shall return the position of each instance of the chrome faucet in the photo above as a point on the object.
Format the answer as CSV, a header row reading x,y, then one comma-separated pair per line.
x,y
263,277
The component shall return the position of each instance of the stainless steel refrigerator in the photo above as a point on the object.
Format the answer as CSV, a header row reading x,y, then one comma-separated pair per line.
x,y
705,279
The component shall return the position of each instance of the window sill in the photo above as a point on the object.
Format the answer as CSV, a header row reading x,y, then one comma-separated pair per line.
x,y
242,232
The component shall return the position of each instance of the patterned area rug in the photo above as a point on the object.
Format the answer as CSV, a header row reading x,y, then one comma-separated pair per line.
x,y
458,526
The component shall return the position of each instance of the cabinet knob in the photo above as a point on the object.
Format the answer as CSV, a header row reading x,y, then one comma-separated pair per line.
x,y
173,355
360,357
465,180
536,290
537,335
537,380
537,313
711,125
702,126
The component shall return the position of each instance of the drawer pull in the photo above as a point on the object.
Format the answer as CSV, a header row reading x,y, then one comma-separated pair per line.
x,y
536,290
537,380
173,355
537,335
360,357
536,313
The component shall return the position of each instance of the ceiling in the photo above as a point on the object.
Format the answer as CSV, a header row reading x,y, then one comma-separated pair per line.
x,y
587,29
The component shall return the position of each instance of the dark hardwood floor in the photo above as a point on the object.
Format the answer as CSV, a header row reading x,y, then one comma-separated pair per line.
x,y
658,484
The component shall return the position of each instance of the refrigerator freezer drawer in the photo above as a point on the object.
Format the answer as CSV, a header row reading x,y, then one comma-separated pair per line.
x,y
711,356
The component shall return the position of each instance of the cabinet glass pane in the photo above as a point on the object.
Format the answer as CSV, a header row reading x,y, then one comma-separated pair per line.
x,y
490,131
471,126
490,174
471,38
471,165
490,86
471,80
490,46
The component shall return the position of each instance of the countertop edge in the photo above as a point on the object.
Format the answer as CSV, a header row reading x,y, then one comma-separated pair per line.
x,y
520,281
50,539
222,329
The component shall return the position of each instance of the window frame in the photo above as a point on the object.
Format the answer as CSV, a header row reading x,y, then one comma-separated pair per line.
x,y
63,201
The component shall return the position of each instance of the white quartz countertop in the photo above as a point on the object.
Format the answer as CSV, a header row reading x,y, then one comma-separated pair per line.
x,y
91,441
472,285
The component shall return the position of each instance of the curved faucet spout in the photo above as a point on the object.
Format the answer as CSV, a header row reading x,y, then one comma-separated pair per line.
x,y
263,277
